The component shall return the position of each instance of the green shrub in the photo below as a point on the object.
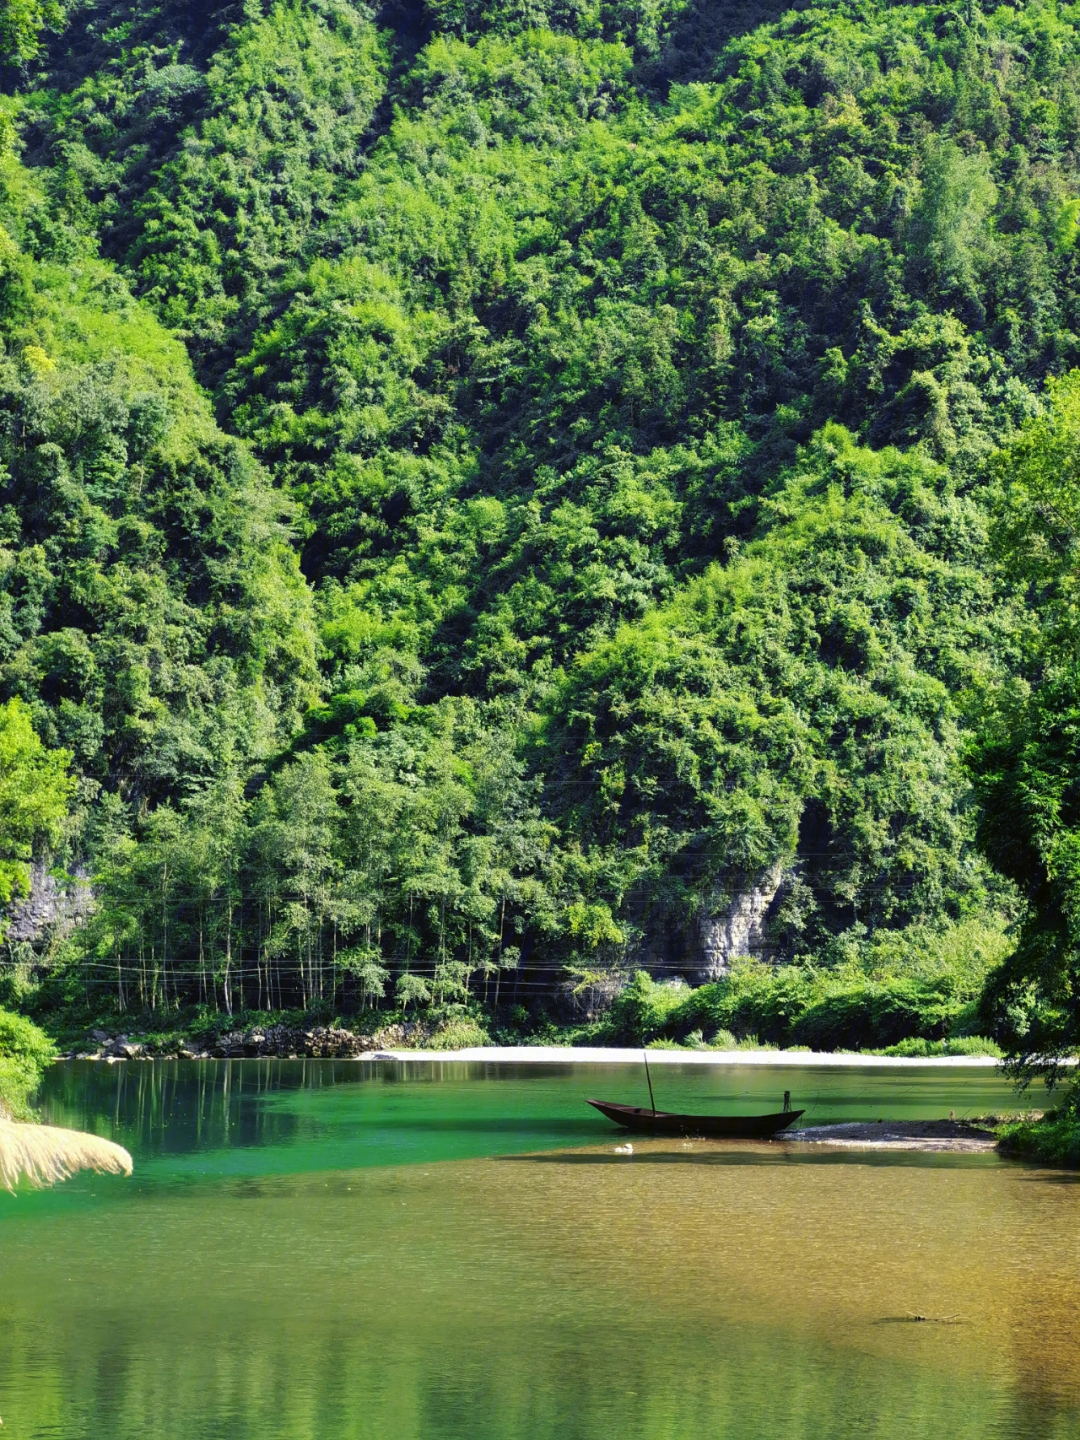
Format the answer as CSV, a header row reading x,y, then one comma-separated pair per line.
x,y
868,1014
919,1047
645,1010
24,1052
754,999
973,1045
1053,1140
23,1042
458,1035
915,1048
793,1005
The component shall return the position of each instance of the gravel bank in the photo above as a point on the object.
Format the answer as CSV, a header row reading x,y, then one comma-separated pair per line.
x,y
944,1135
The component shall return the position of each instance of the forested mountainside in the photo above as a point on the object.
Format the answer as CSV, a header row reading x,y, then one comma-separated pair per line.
x,y
497,496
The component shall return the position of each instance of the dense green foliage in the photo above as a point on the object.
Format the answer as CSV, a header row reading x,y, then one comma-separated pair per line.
x,y
1026,759
1054,1139
24,1052
34,791
591,513
918,990
154,616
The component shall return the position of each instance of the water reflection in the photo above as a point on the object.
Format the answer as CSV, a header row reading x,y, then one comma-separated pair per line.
x,y
198,1107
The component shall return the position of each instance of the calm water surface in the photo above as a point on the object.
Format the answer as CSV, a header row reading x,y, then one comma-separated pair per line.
x,y
317,1250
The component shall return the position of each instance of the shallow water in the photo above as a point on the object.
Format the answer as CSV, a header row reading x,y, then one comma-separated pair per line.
x,y
317,1250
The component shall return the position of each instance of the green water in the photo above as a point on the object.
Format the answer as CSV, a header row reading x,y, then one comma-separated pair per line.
x,y
317,1250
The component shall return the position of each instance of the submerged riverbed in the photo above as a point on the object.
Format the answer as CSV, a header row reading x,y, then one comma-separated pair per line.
x,y
438,1251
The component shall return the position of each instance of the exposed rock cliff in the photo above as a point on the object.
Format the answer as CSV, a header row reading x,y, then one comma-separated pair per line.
x,y
52,904
736,923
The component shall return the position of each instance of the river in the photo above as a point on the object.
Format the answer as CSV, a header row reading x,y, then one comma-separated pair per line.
x,y
337,1251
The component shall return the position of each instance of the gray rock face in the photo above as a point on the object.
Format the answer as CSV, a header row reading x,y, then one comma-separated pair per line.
x,y
735,924
410,1035
112,1047
586,1003
51,904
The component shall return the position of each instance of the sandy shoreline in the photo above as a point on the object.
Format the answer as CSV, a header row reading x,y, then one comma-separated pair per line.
x,y
598,1055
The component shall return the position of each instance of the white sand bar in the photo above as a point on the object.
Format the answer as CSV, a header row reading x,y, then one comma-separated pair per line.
x,y
603,1055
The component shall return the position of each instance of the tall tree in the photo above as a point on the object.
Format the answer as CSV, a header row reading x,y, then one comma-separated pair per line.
x,y
1027,756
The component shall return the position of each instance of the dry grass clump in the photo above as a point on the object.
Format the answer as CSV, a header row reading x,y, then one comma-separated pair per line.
x,y
45,1154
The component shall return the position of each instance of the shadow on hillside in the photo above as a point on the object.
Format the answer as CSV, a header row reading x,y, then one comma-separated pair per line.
x,y
700,34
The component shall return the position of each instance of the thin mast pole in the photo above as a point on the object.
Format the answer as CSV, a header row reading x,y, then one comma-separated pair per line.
x,y
648,1077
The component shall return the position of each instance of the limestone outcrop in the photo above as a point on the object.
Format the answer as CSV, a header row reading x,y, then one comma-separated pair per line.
x,y
735,923
52,904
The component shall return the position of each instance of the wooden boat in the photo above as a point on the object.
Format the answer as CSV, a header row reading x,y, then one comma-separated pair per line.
x,y
664,1122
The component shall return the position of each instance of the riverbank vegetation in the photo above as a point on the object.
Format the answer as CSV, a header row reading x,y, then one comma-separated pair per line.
x,y
25,1050
1053,1139
490,500
790,1006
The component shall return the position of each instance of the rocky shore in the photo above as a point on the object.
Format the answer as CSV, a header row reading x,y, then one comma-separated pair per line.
x,y
286,1042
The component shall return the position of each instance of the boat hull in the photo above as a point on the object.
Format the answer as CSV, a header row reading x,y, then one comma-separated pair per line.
x,y
724,1127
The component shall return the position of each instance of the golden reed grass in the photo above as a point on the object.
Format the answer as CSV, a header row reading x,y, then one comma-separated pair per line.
x,y
45,1154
